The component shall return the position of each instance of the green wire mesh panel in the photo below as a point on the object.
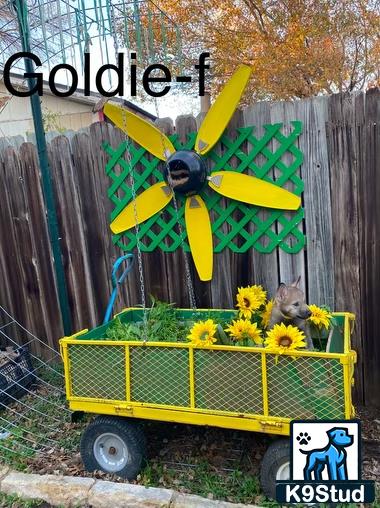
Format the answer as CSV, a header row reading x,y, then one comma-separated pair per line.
x,y
228,381
97,372
160,375
305,388
235,225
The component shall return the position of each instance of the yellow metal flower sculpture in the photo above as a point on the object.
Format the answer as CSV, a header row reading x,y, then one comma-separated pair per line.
x,y
186,173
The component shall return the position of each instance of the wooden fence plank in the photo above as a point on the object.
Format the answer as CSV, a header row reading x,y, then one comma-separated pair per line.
x,y
92,192
290,265
369,230
317,201
227,274
46,307
14,299
72,231
344,212
261,268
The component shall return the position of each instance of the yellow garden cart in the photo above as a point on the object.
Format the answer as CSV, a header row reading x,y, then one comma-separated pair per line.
x,y
244,388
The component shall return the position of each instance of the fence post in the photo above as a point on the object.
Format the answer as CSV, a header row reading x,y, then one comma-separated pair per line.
x,y
22,16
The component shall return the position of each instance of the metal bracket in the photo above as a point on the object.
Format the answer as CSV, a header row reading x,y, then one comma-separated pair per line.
x,y
216,180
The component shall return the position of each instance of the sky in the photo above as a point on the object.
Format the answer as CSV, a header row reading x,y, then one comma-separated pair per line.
x,y
172,105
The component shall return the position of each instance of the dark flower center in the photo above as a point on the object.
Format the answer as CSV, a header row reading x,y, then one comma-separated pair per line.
x,y
285,341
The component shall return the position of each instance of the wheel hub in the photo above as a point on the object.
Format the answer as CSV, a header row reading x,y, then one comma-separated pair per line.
x,y
185,172
111,452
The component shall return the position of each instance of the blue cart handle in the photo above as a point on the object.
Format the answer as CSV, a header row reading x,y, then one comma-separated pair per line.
x,y
117,280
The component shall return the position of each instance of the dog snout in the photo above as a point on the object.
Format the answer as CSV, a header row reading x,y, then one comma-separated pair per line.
x,y
306,313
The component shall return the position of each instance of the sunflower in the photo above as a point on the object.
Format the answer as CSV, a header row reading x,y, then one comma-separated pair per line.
x,y
247,302
203,333
266,313
260,294
243,330
282,338
320,317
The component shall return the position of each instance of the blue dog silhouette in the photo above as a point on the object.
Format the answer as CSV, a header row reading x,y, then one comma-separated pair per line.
x,y
333,456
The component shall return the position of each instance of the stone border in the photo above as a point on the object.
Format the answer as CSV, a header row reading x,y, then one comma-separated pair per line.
x,y
75,491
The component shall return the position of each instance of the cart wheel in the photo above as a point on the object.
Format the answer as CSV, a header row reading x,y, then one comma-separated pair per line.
x,y
113,445
275,466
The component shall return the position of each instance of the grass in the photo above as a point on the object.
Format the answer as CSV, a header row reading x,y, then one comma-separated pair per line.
x,y
37,419
203,480
13,501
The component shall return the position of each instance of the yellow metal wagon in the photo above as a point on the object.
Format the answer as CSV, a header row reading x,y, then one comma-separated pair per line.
x,y
245,388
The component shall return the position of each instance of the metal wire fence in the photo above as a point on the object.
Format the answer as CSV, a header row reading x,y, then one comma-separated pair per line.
x,y
32,402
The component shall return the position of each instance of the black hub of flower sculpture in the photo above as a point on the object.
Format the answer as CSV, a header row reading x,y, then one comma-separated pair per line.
x,y
185,172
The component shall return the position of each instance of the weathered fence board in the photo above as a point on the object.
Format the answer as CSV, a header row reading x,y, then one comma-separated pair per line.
x,y
290,265
262,268
340,265
316,198
369,243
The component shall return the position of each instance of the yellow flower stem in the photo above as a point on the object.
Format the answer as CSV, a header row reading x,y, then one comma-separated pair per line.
x,y
319,338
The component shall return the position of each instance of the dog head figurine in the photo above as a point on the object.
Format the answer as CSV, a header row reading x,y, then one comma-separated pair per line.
x,y
290,301
340,437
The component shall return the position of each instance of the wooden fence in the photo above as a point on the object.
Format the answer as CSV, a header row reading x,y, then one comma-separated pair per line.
x,y
340,266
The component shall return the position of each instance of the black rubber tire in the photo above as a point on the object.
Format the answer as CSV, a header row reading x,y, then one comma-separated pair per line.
x,y
277,454
130,432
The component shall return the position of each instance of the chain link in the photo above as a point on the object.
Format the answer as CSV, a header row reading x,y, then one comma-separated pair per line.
x,y
137,225
189,281
133,191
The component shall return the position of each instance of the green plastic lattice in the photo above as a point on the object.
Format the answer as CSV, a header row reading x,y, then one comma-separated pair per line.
x,y
235,225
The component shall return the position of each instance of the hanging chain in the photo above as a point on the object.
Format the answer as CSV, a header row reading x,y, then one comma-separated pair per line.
x,y
133,191
137,225
189,281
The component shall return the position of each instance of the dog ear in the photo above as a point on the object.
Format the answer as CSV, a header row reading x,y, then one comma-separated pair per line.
x,y
332,432
282,292
295,284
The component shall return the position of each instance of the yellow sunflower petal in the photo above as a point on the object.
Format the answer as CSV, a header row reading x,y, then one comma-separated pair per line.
x,y
247,302
259,293
266,313
282,338
203,333
319,317
243,329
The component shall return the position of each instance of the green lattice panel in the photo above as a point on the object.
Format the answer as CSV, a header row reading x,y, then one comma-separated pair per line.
x,y
235,225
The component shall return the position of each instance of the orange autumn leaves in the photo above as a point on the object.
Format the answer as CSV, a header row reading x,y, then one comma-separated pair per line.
x,y
297,48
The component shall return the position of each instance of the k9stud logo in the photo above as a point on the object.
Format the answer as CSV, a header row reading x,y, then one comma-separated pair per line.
x,y
325,451
325,460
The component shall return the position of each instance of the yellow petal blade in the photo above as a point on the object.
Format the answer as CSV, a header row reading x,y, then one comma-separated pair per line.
x,y
141,131
253,191
221,111
199,233
147,204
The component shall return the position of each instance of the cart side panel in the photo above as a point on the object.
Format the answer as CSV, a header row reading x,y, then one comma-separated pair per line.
x,y
160,375
305,388
228,381
97,372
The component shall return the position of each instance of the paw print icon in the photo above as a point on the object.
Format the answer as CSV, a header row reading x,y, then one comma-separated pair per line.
x,y
303,438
